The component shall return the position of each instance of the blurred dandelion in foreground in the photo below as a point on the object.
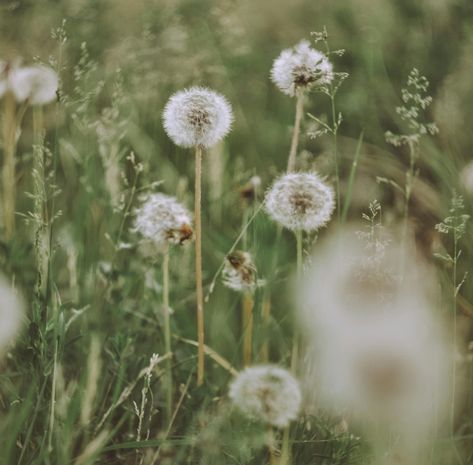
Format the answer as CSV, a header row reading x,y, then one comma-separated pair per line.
x,y
379,351
11,313
301,67
267,393
197,117
300,202
162,220
239,272
466,177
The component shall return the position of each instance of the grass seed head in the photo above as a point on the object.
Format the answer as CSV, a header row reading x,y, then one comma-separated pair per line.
x,y
197,117
267,393
301,67
300,202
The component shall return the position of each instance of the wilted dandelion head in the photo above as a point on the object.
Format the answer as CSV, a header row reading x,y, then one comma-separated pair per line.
x,y
162,220
267,393
36,85
197,117
239,272
11,313
301,67
300,202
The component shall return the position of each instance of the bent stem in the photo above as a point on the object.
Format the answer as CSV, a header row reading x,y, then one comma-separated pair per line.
x,y
9,143
198,265
291,163
167,333
247,322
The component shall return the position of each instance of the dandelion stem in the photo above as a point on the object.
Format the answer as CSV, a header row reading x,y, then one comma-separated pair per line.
x,y
454,368
291,163
9,142
167,332
335,150
285,449
198,265
295,342
248,305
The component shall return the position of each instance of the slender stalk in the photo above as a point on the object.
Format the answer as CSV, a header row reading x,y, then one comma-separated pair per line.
x,y
167,333
198,265
335,150
271,447
291,163
9,143
295,342
248,305
285,458
265,316
454,368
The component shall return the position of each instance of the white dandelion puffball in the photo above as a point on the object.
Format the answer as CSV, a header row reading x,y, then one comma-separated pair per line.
x,y
239,272
300,202
267,393
162,220
11,314
301,67
197,117
37,85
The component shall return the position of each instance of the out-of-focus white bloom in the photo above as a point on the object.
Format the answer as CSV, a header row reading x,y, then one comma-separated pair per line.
x,y
300,201
378,349
301,67
37,85
162,220
11,314
466,177
267,393
239,272
197,117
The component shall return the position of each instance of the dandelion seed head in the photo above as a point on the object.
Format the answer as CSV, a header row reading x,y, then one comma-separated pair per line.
x,y
301,67
300,202
267,393
11,314
239,272
197,117
35,84
162,220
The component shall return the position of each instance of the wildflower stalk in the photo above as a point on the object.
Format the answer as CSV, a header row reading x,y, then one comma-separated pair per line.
x,y
295,342
167,332
198,265
335,147
291,163
248,305
9,143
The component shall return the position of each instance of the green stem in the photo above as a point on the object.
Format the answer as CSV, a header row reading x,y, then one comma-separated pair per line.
x,y
335,151
454,368
9,146
295,342
167,333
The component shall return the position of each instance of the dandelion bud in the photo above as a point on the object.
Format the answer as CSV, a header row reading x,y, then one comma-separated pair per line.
x,y
239,272
35,84
300,201
301,67
267,393
197,117
162,220
11,311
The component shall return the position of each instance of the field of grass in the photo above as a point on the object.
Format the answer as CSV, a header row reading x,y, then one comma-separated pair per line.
x,y
105,366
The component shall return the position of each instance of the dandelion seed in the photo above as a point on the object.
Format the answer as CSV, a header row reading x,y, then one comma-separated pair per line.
x,y
267,393
162,220
11,312
300,202
240,272
37,85
197,117
301,67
